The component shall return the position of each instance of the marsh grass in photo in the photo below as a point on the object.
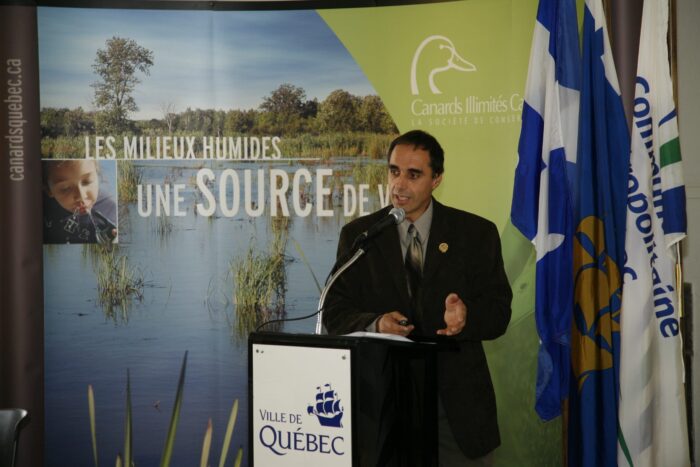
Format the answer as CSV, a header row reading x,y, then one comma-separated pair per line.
x,y
373,175
329,145
377,145
206,444
124,227
306,193
259,294
127,457
74,147
162,221
279,226
260,280
163,226
130,177
118,282
63,147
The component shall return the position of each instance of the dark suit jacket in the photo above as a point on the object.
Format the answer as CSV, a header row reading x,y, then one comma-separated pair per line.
x,y
472,267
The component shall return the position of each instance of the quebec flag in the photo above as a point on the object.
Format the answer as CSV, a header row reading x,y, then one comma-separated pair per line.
x,y
541,208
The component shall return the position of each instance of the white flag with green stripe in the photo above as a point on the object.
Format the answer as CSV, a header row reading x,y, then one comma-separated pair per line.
x,y
652,414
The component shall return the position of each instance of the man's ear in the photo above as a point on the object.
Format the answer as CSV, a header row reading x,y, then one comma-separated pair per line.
x,y
436,181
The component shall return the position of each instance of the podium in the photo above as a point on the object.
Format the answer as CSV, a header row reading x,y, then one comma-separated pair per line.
x,y
317,400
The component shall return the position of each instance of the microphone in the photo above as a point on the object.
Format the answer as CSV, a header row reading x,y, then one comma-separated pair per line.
x,y
395,216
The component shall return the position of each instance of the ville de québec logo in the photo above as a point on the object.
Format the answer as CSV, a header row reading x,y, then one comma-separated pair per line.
x,y
327,407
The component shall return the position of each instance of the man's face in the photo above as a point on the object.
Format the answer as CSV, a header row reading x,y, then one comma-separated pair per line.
x,y
75,185
411,180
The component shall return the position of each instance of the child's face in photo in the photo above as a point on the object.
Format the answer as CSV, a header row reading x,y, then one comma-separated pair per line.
x,y
74,184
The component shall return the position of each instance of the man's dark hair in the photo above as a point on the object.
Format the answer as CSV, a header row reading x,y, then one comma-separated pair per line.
x,y
422,140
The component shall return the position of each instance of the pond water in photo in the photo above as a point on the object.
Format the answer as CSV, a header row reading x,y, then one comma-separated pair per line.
x,y
186,305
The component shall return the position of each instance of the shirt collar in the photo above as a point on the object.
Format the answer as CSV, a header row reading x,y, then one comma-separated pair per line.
x,y
422,225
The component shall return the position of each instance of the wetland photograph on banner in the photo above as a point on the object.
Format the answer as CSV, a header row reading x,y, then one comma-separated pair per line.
x,y
197,169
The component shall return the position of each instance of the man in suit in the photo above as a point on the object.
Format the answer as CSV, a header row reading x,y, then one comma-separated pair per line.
x,y
439,272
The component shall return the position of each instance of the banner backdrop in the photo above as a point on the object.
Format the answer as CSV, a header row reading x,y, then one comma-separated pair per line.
x,y
201,167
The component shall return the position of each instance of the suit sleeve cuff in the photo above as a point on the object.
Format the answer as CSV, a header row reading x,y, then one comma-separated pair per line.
x,y
372,327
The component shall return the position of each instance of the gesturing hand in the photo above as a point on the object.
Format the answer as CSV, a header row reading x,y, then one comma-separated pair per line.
x,y
455,315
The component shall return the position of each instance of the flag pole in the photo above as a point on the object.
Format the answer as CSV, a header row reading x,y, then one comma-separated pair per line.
x,y
679,280
565,432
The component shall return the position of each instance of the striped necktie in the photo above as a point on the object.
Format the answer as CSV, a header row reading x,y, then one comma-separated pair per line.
x,y
414,267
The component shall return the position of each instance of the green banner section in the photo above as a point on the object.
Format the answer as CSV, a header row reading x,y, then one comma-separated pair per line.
x,y
456,70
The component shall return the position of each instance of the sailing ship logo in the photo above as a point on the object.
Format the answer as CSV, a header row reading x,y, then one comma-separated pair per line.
x,y
327,407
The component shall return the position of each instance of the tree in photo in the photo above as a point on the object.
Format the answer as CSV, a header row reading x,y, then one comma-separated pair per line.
x,y
167,109
285,110
77,122
116,67
374,117
287,100
52,122
240,121
339,112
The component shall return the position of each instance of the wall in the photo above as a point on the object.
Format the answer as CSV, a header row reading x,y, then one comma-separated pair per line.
x,y
688,15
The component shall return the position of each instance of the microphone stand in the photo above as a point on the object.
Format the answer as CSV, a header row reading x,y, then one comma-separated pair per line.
x,y
329,283
397,215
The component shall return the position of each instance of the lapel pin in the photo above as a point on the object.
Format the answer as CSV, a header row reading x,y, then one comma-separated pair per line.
x,y
443,247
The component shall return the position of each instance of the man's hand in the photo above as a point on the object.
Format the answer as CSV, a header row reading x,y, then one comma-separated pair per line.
x,y
389,324
455,315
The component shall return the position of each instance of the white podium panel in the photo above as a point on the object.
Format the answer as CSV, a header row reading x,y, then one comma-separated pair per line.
x,y
301,404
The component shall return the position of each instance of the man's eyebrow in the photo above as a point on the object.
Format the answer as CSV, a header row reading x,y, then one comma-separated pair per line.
x,y
411,171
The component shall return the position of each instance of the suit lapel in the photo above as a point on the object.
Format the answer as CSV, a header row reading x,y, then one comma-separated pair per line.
x,y
439,234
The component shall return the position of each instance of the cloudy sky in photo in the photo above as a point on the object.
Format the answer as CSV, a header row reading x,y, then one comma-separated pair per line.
x,y
202,59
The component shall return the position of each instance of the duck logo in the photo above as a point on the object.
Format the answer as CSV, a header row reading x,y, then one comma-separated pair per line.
x,y
443,50
327,407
